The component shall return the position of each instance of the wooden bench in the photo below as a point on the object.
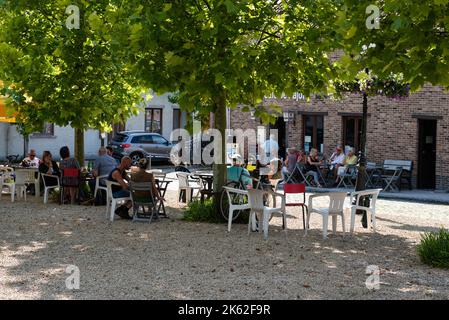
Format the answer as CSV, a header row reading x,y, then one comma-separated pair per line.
x,y
407,168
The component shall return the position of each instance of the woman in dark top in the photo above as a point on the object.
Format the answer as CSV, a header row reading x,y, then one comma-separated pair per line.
x,y
312,166
50,167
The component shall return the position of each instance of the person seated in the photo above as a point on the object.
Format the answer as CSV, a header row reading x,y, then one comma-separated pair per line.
x,y
350,159
31,161
120,176
275,174
110,152
104,164
50,167
237,173
336,160
312,166
69,163
290,163
141,175
301,156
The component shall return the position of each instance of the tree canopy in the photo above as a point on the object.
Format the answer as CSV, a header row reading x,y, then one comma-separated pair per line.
x,y
67,75
411,37
223,53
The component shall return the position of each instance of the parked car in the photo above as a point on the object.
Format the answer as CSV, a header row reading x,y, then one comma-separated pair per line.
x,y
139,144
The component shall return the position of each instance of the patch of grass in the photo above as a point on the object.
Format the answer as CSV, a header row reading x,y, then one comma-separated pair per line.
x,y
206,212
202,212
434,249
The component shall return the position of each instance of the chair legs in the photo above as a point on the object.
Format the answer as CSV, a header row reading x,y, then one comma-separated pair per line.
x,y
368,211
325,225
230,214
352,220
112,211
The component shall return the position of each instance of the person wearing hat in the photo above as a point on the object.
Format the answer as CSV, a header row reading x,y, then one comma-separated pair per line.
x,y
237,173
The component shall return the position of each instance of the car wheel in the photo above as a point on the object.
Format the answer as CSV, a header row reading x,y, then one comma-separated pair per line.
x,y
135,157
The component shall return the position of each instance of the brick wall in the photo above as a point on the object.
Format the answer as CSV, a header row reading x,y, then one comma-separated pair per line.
x,y
392,129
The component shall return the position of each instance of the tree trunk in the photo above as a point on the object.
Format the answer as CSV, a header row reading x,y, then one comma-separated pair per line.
x,y
79,146
26,143
361,176
220,125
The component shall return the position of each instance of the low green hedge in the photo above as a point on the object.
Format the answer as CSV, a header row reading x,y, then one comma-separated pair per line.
x,y
434,249
207,212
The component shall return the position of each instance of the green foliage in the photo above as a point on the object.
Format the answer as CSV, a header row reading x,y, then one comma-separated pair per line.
x,y
392,87
412,39
244,49
206,212
67,77
202,212
220,54
434,249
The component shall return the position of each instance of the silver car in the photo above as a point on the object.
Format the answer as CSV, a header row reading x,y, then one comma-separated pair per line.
x,y
139,144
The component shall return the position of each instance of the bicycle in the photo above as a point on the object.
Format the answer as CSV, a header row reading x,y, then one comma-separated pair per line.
x,y
11,159
237,198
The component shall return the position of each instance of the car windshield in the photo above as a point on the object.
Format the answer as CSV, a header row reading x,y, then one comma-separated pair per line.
x,y
119,137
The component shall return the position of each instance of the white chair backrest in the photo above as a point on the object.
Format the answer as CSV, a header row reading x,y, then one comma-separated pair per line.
x,y
6,169
22,177
337,201
183,179
159,175
255,198
29,175
109,187
373,193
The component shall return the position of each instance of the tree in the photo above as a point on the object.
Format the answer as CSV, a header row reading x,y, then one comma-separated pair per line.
x,y
397,36
65,69
367,85
223,53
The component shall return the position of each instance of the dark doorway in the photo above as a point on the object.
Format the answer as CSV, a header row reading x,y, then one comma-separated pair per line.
x,y
427,154
352,131
313,133
280,126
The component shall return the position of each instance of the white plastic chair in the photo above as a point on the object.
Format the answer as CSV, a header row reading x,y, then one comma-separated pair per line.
x,y
354,206
186,186
257,207
48,188
23,178
335,209
7,180
98,186
235,206
111,202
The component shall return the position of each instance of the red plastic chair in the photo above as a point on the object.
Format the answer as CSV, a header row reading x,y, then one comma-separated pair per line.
x,y
297,189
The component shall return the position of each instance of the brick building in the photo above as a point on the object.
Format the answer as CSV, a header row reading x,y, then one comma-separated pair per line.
x,y
416,129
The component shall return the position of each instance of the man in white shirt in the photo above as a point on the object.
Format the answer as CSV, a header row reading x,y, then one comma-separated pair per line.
x,y
32,161
271,148
337,159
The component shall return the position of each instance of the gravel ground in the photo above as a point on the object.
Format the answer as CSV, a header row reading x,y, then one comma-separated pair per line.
x,y
173,259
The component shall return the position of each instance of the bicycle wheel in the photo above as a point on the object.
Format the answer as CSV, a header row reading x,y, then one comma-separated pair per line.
x,y
236,199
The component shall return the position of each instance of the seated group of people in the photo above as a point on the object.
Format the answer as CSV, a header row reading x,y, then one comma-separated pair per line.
x,y
310,162
105,166
119,175
49,167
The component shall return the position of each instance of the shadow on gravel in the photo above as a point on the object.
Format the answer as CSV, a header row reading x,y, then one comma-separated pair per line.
x,y
184,260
